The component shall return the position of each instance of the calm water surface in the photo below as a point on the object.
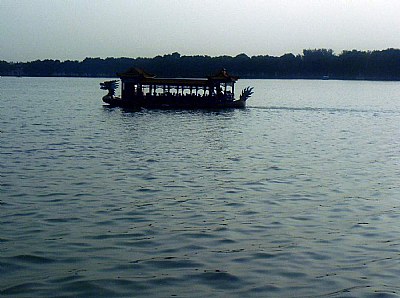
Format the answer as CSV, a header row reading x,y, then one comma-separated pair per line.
x,y
296,196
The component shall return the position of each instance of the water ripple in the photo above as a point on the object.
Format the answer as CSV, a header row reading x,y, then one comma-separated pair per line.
x,y
295,196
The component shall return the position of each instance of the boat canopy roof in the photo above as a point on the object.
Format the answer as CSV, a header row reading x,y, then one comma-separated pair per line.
x,y
223,76
140,76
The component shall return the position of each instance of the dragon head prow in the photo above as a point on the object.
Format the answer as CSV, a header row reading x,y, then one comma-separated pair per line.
x,y
110,86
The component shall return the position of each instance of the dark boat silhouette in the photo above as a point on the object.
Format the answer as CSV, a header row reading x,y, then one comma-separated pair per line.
x,y
143,90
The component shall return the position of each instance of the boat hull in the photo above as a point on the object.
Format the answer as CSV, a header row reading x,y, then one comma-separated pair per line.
x,y
174,103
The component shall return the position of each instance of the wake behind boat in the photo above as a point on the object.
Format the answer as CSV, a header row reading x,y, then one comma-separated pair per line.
x,y
143,90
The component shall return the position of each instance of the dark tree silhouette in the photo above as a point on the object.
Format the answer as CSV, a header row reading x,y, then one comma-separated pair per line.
x,y
312,64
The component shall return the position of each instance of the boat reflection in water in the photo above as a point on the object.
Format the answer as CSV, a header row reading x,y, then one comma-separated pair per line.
x,y
143,90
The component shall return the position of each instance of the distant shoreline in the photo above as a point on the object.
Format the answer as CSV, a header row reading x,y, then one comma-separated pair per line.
x,y
244,78
317,64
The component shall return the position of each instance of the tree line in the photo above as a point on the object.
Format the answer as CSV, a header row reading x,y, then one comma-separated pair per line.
x,y
311,64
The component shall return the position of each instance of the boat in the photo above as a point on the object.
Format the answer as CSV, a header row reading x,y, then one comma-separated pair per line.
x,y
140,89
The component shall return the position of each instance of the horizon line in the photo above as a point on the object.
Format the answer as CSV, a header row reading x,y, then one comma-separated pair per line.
x,y
201,55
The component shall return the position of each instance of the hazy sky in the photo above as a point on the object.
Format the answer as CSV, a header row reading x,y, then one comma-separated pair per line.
x,y
75,29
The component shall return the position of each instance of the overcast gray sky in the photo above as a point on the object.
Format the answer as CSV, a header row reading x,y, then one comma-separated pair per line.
x,y
75,29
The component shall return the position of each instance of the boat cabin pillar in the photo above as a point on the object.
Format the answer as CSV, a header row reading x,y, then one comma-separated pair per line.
x,y
131,90
128,90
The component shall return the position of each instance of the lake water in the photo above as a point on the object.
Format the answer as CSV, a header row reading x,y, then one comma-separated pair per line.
x,y
296,196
